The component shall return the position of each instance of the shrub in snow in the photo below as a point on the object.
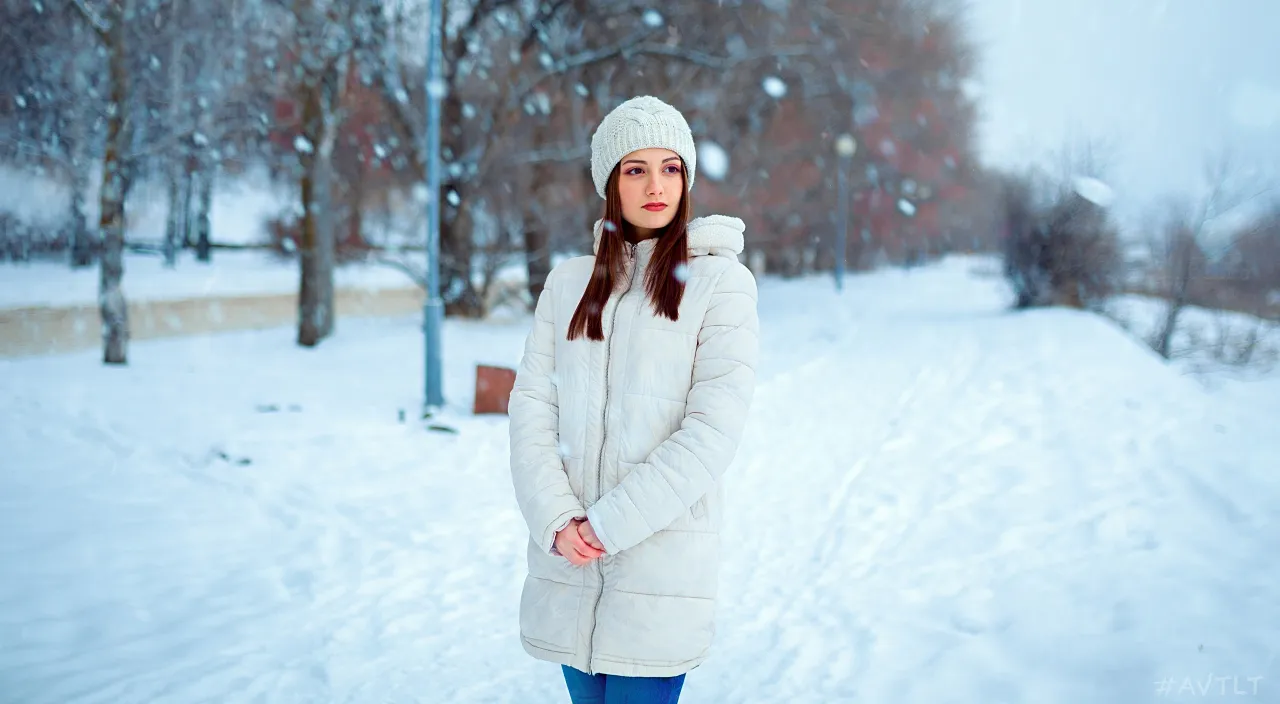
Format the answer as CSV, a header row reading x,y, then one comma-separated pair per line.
x,y
1065,252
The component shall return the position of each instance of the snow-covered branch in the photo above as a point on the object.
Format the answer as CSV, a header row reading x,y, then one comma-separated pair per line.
x,y
95,20
417,274
720,63
557,153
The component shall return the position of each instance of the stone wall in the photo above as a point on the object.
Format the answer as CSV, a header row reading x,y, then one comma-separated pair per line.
x,y
36,331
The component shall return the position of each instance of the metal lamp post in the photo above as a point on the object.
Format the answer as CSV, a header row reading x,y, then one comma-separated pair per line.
x,y
846,146
433,308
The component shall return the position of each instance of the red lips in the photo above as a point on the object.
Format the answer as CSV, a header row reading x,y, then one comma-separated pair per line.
x,y
655,207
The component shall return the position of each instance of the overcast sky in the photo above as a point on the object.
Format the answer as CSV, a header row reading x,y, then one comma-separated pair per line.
x,y
1164,82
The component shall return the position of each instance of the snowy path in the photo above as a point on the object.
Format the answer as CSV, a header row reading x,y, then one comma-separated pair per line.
x,y
937,501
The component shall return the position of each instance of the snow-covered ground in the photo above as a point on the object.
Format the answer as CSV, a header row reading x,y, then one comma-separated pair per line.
x,y
146,278
937,501
1210,343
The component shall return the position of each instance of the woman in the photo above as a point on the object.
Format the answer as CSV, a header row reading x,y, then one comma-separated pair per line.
x,y
628,406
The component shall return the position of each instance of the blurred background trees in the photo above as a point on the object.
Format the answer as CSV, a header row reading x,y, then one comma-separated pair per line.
x,y
224,89
323,102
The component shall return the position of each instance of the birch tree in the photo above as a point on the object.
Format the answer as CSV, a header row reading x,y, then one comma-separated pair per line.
x,y
110,27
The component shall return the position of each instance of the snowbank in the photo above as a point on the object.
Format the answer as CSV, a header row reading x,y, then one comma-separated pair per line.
x,y
231,273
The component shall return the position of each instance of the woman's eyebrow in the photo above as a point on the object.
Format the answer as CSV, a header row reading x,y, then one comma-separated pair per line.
x,y
639,161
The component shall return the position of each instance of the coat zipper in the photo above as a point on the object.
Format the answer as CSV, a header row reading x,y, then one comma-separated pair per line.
x,y
604,421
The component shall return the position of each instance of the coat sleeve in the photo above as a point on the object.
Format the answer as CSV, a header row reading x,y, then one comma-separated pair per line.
x,y
686,465
537,470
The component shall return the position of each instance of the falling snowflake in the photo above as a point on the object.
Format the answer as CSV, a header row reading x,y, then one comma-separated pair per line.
x,y
21,101
453,198
907,207
303,145
713,161
681,272
652,18
1093,190
774,86
609,226
864,115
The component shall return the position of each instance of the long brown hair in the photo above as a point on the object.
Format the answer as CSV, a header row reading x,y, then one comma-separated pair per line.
x,y
664,281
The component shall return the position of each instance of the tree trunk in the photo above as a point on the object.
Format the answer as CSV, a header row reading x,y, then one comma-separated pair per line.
x,y
315,297
82,244
1165,340
457,240
190,165
355,207
316,249
537,252
82,236
179,216
203,204
175,233
115,318
1181,252
537,238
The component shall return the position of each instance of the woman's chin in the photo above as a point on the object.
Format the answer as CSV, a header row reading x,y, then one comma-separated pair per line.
x,y
652,221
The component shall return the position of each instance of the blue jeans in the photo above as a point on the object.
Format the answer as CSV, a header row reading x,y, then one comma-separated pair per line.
x,y
616,689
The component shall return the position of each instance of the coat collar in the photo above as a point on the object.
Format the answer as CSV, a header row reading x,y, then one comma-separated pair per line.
x,y
711,235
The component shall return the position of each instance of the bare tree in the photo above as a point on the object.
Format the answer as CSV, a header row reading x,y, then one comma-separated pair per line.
x,y
1253,262
1180,249
324,43
50,74
111,30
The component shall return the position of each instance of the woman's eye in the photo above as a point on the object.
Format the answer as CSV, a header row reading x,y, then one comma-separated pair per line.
x,y
633,170
673,170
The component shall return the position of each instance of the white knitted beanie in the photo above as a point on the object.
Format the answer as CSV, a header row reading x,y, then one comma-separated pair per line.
x,y
640,123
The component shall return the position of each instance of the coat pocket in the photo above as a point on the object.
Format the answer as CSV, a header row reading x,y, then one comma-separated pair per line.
x,y
549,613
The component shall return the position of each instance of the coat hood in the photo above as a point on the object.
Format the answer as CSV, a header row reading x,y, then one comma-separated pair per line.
x,y
714,235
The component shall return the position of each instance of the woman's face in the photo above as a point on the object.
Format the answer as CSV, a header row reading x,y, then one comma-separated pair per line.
x,y
651,184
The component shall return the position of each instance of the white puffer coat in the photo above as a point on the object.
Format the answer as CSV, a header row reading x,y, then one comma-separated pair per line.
x,y
633,433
